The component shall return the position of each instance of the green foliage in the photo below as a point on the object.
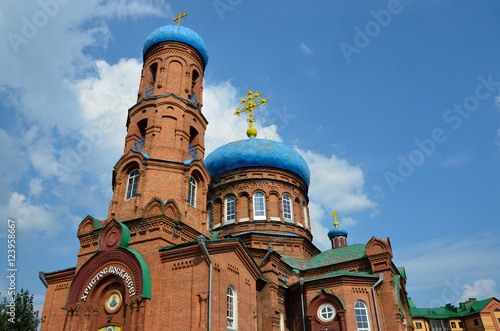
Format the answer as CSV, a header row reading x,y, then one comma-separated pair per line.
x,y
21,313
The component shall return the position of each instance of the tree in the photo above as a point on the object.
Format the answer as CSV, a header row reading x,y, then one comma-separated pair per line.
x,y
19,314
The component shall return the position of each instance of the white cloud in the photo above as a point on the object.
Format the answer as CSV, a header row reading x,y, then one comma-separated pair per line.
x,y
40,70
36,187
481,289
347,222
34,218
319,231
111,91
305,49
335,184
443,265
457,160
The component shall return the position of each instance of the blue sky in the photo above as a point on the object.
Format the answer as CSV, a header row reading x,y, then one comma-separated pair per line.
x,y
394,105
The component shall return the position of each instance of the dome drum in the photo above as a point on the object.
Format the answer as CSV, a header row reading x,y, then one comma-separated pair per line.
x,y
262,199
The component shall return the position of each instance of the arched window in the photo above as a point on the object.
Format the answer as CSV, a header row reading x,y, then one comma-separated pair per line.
x,y
306,218
259,206
287,208
231,308
192,192
230,209
210,217
133,180
361,316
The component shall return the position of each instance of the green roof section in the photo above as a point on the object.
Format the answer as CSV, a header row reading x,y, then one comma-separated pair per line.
x,y
215,234
337,273
402,272
329,257
146,276
471,306
58,271
397,279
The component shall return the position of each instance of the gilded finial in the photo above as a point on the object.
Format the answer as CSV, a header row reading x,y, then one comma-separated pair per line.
x,y
334,215
250,102
181,15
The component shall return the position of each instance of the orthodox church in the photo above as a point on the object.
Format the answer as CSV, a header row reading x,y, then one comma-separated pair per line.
x,y
216,242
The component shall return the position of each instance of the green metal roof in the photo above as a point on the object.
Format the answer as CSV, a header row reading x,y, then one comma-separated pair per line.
x,y
57,271
329,257
464,309
402,271
342,273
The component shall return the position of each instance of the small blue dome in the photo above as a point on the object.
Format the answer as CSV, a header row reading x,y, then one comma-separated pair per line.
x,y
256,152
177,33
336,231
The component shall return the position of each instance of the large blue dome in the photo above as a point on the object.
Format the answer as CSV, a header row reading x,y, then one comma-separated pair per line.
x,y
256,152
177,33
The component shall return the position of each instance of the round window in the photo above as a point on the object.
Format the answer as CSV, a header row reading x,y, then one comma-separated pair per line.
x,y
326,312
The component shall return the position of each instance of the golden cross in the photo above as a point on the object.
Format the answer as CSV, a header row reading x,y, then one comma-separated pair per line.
x,y
250,102
334,215
181,15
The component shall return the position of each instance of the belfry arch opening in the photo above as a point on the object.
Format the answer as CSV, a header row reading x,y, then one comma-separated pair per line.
x,y
153,69
195,77
142,125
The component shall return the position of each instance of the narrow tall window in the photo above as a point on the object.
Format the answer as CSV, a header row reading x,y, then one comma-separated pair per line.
x,y
287,208
210,217
153,69
361,316
306,217
231,308
133,180
230,209
259,206
192,192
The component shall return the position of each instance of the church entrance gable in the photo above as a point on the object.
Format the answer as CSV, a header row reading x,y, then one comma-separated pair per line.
x,y
110,289
326,312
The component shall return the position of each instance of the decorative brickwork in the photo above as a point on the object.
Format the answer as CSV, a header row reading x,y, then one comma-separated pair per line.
x,y
156,254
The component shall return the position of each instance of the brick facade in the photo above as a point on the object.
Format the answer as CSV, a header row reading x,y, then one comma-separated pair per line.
x,y
177,269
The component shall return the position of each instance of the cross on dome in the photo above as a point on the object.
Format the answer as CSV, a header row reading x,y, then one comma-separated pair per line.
x,y
334,215
181,15
250,102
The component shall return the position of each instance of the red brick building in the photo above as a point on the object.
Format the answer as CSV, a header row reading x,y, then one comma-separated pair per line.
x,y
217,243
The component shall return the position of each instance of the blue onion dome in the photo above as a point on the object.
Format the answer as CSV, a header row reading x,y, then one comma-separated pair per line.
x,y
257,152
177,33
336,231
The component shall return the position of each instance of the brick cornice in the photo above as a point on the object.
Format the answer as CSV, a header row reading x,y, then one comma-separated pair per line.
x,y
60,276
192,249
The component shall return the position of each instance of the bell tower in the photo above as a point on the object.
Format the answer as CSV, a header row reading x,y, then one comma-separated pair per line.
x,y
165,141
